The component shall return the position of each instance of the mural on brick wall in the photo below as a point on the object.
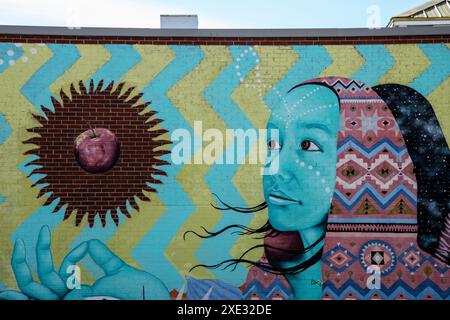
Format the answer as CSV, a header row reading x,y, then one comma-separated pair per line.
x,y
348,200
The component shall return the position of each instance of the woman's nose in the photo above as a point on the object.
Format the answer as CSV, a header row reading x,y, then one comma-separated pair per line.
x,y
287,165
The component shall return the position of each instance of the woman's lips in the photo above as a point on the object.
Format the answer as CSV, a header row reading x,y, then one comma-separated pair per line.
x,y
282,200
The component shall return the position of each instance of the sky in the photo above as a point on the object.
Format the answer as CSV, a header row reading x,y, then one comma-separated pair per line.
x,y
212,13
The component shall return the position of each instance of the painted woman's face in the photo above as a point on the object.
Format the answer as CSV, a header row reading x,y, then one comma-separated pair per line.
x,y
299,193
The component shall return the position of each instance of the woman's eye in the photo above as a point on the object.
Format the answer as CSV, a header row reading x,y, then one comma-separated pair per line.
x,y
273,145
308,145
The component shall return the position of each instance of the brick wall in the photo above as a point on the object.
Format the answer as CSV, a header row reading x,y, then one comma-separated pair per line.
x,y
225,41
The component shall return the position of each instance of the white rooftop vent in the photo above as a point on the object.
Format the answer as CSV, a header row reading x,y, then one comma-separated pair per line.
x,y
179,21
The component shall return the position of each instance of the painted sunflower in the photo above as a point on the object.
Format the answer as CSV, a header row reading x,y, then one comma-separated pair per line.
x,y
99,150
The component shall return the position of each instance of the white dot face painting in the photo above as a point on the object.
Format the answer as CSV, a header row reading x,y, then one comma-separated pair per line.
x,y
299,194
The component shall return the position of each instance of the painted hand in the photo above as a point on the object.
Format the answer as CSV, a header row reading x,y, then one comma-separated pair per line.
x,y
53,284
120,281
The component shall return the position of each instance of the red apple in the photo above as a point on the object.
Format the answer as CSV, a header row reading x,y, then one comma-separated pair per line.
x,y
97,150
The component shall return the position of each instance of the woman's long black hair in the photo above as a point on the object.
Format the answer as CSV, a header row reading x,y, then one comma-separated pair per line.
x,y
265,231
430,154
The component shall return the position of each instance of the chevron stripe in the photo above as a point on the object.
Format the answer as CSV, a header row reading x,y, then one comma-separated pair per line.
x,y
92,58
261,81
219,178
311,62
298,64
99,232
54,220
122,58
369,152
193,177
439,70
367,179
266,293
354,184
158,259
410,62
36,90
439,100
346,61
249,97
399,287
219,93
133,230
26,168
17,193
5,129
372,220
250,190
61,245
153,60
382,202
377,62
5,58
31,226
275,63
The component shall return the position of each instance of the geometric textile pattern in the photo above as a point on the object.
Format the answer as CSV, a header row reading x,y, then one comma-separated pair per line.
x,y
261,285
374,173
338,258
374,209
378,253
412,258
406,271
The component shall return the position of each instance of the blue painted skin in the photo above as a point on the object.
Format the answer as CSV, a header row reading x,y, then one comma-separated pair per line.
x,y
298,195
120,281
